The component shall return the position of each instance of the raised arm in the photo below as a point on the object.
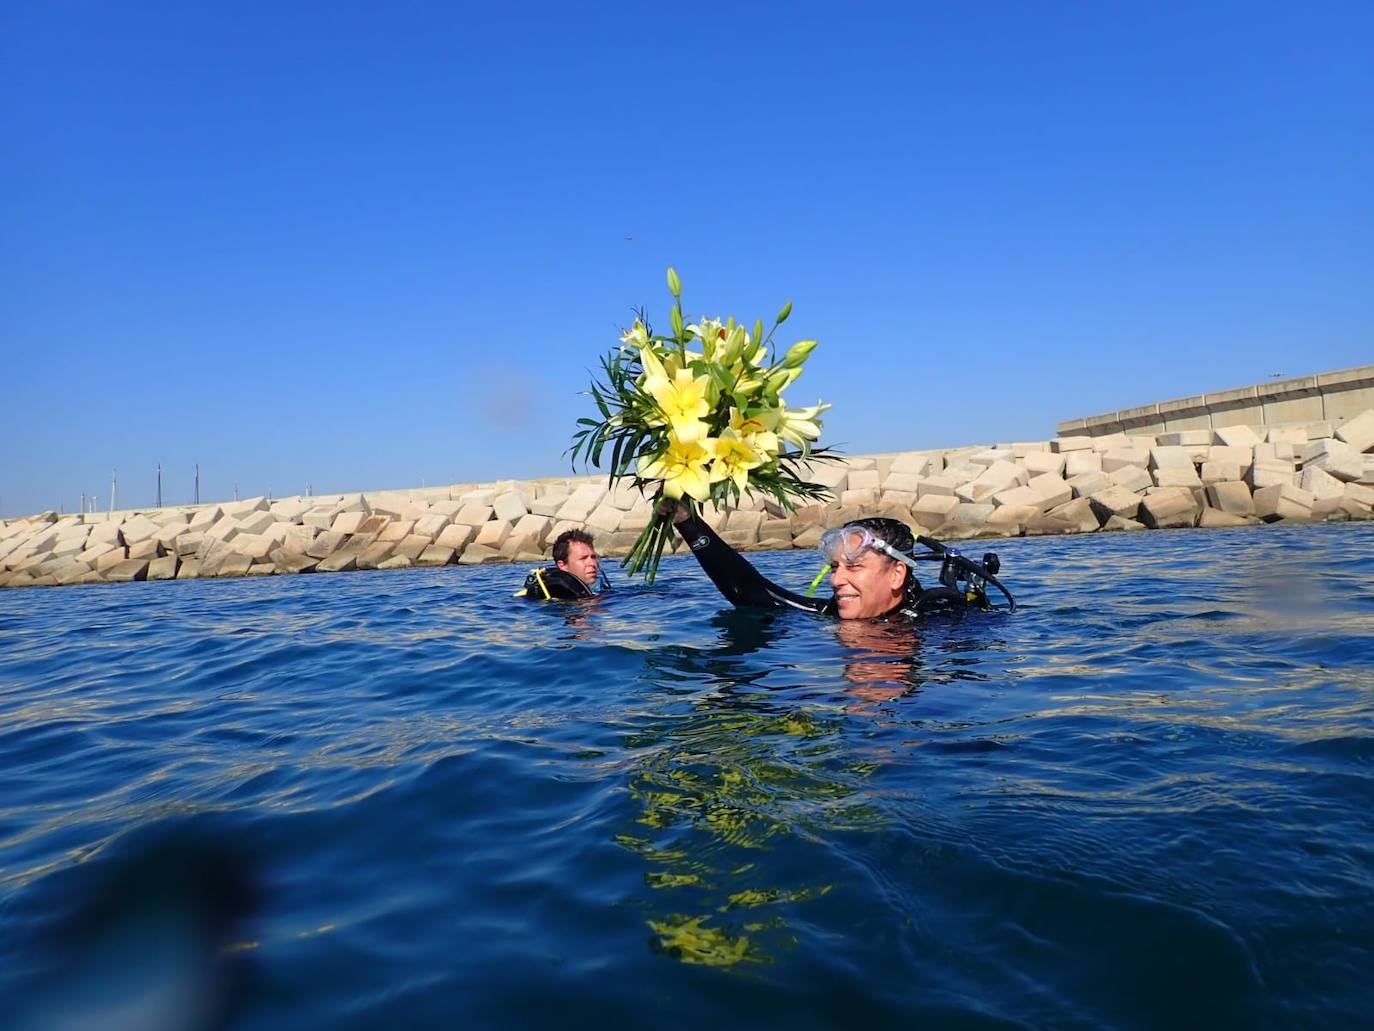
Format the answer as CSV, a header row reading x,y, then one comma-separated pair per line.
x,y
731,572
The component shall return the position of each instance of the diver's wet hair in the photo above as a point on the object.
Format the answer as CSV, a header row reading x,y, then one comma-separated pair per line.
x,y
565,541
892,531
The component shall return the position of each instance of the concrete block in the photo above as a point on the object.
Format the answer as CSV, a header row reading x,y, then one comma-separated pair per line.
x,y
413,547
397,530
1220,472
319,518
1214,518
1271,473
1079,514
127,570
148,549
204,518
164,568
456,536
865,497
438,555
917,463
1286,435
536,528
1115,501
863,479
933,509
110,559
1177,476
1037,463
969,515
347,522
509,506
1320,483
254,545
549,504
1285,501
901,482
224,529
942,484
1017,497
1121,457
290,510
1170,507
605,519
294,564
325,545
1360,494
1333,456
1077,463
1121,523
1010,518
432,525
1232,496
374,554
1063,445
1235,436
991,456
1050,490
1089,484
897,499
245,507
741,538
138,528
630,522
396,562
1170,457
1358,432
491,535
189,568
255,522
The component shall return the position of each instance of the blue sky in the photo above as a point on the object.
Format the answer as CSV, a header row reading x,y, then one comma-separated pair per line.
x,y
366,246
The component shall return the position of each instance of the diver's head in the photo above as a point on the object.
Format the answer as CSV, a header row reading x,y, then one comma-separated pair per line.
x,y
870,561
574,552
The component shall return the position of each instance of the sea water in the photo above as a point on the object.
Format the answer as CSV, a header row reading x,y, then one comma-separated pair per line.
x,y
1145,798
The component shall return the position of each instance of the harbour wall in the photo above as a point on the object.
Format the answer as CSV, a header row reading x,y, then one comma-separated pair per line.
x,y
1330,397
1081,483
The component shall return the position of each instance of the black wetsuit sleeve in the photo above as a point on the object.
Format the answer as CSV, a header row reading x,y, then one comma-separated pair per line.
x,y
740,582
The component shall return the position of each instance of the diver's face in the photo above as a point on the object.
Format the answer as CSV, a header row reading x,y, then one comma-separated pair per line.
x,y
582,562
868,586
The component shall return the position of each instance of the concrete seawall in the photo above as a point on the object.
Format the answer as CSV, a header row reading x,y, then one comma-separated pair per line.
x,y
1229,476
1327,397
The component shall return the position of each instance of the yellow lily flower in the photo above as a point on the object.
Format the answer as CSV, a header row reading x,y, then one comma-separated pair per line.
x,y
682,398
734,459
636,336
682,468
756,431
800,426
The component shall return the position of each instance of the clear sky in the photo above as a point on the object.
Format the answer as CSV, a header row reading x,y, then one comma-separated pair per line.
x,y
369,245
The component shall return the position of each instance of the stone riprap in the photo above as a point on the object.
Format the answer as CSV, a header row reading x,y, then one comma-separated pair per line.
x,y
1229,476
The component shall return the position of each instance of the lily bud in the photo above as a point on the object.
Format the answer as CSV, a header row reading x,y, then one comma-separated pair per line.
x,y
675,284
782,315
797,353
677,321
779,380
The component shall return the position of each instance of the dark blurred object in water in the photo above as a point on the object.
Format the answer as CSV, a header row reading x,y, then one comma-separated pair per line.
x,y
146,938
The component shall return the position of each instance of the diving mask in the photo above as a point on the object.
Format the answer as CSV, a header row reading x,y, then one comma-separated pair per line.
x,y
851,542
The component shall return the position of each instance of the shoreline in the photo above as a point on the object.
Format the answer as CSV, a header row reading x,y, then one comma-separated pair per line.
x,y
1229,476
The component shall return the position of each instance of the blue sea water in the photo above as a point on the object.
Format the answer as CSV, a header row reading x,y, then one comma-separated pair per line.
x,y
403,799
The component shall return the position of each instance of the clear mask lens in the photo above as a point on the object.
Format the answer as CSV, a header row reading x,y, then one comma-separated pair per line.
x,y
846,544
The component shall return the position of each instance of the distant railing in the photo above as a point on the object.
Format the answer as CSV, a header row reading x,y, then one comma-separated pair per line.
x,y
1326,397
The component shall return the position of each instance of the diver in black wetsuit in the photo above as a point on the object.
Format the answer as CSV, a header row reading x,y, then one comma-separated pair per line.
x,y
873,571
576,572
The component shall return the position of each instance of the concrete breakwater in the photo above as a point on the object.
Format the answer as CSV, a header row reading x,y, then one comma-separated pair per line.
x,y
1228,476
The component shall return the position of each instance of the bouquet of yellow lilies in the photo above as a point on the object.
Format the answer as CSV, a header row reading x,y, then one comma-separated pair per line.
x,y
699,416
